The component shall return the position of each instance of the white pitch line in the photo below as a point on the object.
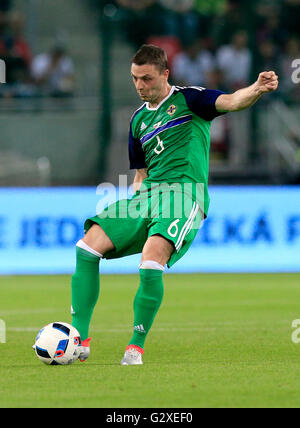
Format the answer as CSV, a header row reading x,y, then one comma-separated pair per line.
x,y
162,329
113,330
210,324
10,312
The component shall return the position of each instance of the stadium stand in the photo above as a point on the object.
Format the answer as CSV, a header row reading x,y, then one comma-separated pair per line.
x,y
229,41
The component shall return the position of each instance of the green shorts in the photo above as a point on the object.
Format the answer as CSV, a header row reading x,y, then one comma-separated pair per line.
x,y
130,222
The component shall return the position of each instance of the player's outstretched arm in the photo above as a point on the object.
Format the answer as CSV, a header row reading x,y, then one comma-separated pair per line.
x,y
243,98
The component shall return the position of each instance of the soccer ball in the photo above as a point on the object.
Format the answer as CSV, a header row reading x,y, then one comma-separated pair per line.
x,y
58,343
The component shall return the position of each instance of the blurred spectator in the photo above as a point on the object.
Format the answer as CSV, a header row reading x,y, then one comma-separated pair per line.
x,y
226,24
21,46
145,19
235,61
140,20
170,44
269,25
192,65
220,140
267,56
207,12
16,53
180,19
215,79
53,73
210,8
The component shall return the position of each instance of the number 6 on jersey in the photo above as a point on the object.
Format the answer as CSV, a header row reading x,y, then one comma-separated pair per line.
x,y
160,147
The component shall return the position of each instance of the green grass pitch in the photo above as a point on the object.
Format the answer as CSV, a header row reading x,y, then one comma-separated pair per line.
x,y
218,341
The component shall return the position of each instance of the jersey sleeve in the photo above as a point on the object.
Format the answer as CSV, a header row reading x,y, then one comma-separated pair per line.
x,y
202,102
136,153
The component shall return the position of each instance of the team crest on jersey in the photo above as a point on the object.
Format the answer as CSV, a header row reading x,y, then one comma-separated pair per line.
x,y
171,110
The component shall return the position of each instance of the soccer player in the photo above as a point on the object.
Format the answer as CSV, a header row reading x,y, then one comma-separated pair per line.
x,y
169,140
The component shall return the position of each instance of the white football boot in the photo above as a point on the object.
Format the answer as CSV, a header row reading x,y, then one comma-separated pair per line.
x,y
132,356
84,350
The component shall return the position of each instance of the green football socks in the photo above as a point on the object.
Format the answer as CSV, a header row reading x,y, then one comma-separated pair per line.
x,y
85,287
146,303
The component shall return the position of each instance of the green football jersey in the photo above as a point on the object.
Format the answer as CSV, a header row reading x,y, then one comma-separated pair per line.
x,y
172,140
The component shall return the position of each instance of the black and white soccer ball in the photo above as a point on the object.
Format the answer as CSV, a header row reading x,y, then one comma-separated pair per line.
x,y
58,343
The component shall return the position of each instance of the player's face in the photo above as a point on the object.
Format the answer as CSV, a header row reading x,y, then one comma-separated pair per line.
x,y
149,82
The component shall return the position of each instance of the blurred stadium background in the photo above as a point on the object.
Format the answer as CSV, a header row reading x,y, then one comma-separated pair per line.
x,y
220,340
66,106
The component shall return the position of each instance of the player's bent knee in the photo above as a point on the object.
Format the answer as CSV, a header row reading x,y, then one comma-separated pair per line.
x,y
97,239
158,249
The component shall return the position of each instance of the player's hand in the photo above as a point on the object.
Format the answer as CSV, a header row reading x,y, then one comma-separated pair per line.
x,y
267,81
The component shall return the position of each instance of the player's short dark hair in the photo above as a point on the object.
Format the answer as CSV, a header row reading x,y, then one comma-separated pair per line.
x,y
153,55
